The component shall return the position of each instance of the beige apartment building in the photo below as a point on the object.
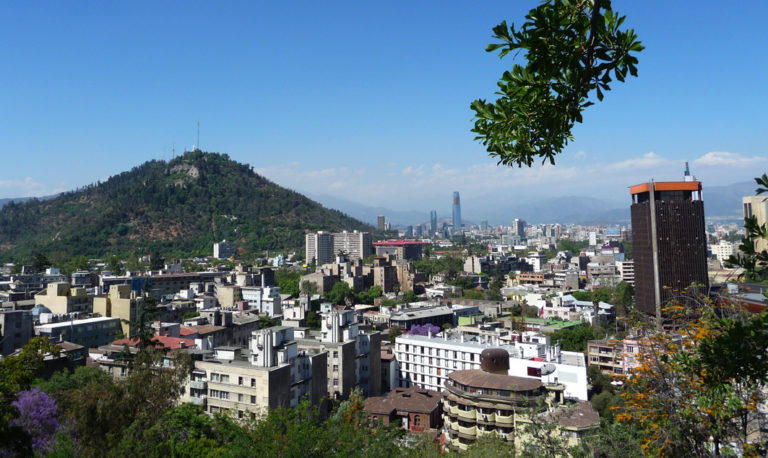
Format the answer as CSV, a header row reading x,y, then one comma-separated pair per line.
x,y
60,299
121,303
757,206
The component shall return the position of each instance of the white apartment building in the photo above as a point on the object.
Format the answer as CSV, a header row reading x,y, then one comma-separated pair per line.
x,y
264,300
626,271
354,357
357,245
536,259
223,250
723,250
426,361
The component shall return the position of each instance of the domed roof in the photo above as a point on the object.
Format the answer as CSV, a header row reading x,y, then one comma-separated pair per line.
x,y
494,360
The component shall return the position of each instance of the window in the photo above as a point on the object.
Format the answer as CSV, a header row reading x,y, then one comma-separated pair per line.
x,y
239,380
335,368
253,382
335,382
416,420
335,354
534,371
240,397
253,399
471,356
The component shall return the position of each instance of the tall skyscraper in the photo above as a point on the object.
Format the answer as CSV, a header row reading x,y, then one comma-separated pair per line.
x,y
382,222
669,242
518,227
456,213
433,222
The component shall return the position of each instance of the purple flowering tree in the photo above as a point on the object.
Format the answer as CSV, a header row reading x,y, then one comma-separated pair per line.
x,y
37,416
424,330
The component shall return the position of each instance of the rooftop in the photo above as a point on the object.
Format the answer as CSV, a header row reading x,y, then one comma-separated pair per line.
x,y
405,399
666,186
480,379
399,243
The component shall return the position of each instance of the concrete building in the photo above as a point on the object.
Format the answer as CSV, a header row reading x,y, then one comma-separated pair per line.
x,y
381,223
354,357
384,274
400,249
669,242
16,328
757,206
626,271
121,303
724,250
487,401
356,245
432,223
274,373
263,300
90,332
319,248
427,361
536,259
61,299
224,250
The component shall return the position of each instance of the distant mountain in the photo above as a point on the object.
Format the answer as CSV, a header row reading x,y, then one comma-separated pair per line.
x,y
725,201
178,207
19,200
370,214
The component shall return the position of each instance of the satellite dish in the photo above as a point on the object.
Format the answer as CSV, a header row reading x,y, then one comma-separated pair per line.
x,y
548,369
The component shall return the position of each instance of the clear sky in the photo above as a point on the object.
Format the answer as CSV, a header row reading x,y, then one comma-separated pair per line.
x,y
368,101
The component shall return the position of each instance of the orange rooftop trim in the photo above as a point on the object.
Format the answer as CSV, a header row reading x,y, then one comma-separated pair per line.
x,y
666,186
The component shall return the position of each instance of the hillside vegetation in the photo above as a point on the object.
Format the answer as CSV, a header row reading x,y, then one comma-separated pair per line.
x,y
181,206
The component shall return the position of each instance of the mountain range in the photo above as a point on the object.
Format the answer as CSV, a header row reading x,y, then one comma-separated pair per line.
x,y
178,207
720,202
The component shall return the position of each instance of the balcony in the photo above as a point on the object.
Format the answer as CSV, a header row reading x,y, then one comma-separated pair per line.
x,y
467,414
469,431
198,384
505,419
198,401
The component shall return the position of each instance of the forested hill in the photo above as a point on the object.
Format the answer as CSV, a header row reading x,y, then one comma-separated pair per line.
x,y
182,206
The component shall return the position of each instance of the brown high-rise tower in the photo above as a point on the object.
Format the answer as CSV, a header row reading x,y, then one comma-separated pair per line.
x,y
669,242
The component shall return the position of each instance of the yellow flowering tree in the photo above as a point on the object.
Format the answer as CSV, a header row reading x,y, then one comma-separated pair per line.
x,y
697,389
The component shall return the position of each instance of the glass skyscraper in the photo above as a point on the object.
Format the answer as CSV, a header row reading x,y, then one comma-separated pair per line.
x,y
456,213
432,222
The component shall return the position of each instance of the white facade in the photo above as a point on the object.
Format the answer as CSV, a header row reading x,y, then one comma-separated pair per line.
x,y
426,361
263,300
723,250
627,271
223,250
536,259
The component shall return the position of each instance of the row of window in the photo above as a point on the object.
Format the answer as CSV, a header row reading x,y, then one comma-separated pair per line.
x,y
429,351
224,378
219,394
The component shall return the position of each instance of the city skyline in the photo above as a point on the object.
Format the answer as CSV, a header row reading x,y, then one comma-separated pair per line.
x,y
376,127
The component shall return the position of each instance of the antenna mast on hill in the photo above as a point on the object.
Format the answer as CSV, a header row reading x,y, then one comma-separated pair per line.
x,y
198,135
173,151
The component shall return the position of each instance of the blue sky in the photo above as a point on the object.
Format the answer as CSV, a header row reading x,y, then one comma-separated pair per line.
x,y
364,101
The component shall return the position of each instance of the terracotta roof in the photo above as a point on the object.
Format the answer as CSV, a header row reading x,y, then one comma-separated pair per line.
x,y
405,399
481,379
164,341
186,331
206,329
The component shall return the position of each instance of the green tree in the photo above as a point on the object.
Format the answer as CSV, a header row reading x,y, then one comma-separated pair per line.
x,y
394,333
576,338
753,262
340,293
572,51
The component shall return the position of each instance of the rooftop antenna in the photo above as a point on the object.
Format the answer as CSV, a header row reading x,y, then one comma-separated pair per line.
x,y
173,151
198,134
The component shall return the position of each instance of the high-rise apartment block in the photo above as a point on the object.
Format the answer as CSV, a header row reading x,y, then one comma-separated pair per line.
x,y
356,245
319,247
456,213
757,206
381,223
669,242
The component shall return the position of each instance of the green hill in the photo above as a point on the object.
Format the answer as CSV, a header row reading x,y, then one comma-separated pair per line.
x,y
182,206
